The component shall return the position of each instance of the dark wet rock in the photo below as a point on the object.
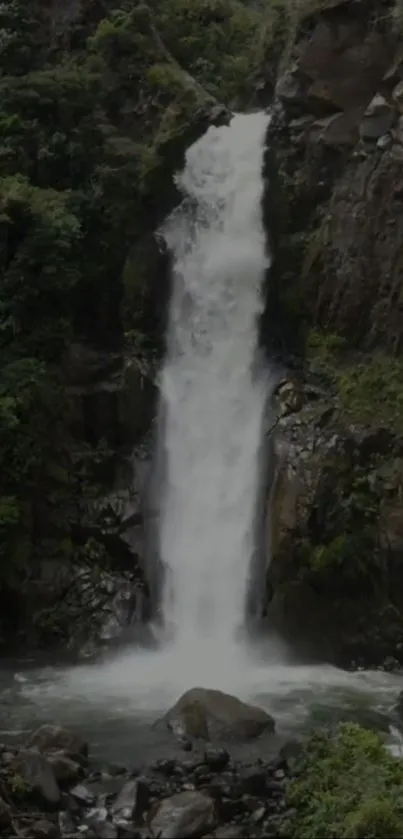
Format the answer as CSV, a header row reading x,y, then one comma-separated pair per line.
x,y
44,829
105,786
5,815
378,118
100,824
56,738
391,664
133,799
228,832
211,714
209,794
216,758
66,823
68,803
83,795
164,767
189,814
37,773
253,780
67,771
127,830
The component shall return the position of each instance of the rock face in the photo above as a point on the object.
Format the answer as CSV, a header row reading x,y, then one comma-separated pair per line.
x,y
213,715
335,544
336,143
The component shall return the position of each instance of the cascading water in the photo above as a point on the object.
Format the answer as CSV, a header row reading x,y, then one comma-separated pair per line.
x,y
214,396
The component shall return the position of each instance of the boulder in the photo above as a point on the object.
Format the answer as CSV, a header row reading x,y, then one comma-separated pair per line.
x,y
67,771
211,714
189,814
56,738
36,772
132,800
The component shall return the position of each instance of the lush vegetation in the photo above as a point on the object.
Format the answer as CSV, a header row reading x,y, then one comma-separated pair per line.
x,y
367,387
98,103
346,786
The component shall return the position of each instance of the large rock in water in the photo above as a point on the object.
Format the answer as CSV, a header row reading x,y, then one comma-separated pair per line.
x,y
213,715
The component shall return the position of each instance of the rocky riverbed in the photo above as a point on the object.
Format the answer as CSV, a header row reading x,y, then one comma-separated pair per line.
x,y
52,787
49,787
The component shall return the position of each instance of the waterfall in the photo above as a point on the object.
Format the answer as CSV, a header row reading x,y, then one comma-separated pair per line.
x,y
214,480
213,389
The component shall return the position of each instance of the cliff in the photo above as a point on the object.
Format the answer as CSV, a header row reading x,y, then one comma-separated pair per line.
x,y
335,576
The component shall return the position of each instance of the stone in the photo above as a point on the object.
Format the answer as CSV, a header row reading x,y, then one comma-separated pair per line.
x,y
396,153
38,774
164,767
321,99
127,830
377,120
253,780
384,142
289,88
394,72
290,397
216,759
397,96
98,821
229,831
5,815
66,823
189,814
82,795
56,738
44,829
391,664
67,771
336,130
132,800
211,714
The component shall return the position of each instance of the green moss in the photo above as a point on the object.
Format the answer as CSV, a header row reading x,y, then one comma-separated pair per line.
x,y
368,387
346,786
324,345
374,388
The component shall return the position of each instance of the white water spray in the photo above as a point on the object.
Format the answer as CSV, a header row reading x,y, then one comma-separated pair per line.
x,y
213,402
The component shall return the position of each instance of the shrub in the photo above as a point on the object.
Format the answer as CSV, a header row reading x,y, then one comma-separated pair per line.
x,y
346,786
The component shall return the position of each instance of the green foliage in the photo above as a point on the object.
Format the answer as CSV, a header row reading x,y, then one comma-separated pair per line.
x,y
324,345
222,43
96,110
346,786
367,386
374,387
